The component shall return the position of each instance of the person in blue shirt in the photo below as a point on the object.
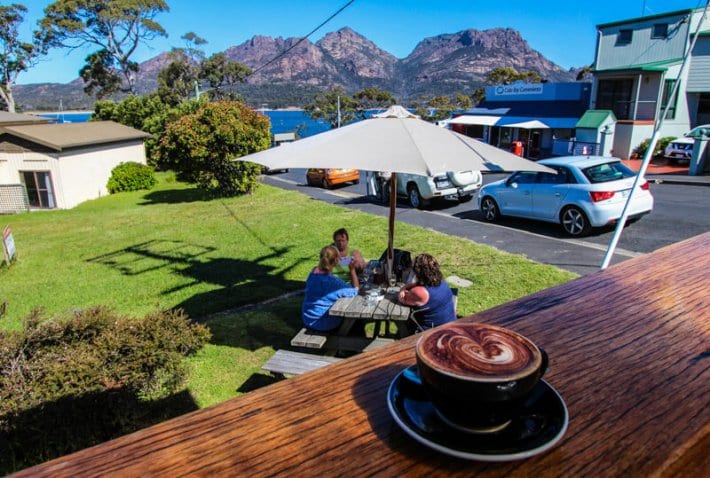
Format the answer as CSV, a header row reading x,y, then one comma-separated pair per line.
x,y
430,295
323,289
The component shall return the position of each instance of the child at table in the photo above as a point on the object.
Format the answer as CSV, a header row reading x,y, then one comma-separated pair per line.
x,y
323,289
346,258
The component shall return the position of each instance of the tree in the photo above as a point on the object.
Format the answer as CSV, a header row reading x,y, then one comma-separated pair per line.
x,y
116,27
441,107
584,72
222,74
202,146
507,76
325,107
16,56
372,97
177,79
147,113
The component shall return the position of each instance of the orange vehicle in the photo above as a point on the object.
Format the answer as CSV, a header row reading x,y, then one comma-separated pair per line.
x,y
330,177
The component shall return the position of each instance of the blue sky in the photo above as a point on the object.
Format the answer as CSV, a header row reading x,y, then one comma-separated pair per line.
x,y
563,31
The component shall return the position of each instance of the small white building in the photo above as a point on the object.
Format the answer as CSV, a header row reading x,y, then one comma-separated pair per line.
x,y
57,166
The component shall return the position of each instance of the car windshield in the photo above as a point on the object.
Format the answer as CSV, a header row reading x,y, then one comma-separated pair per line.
x,y
606,172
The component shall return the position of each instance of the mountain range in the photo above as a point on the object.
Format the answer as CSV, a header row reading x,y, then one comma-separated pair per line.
x,y
440,65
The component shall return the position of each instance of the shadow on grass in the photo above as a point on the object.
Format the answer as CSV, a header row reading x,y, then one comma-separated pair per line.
x,y
176,196
239,282
64,426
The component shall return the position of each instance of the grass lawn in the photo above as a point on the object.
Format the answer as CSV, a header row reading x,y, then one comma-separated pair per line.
x,y
174,247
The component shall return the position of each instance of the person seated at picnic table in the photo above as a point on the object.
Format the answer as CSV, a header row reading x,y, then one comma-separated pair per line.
x,y
430,296
341,240
323,289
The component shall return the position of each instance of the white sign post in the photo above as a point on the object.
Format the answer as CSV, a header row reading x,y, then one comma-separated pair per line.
x,y
8,243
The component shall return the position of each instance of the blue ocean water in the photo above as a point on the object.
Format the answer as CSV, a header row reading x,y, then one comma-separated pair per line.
x,y
281,121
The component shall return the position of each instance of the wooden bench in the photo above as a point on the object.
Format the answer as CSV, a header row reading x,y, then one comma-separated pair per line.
x,y
287,362
312,339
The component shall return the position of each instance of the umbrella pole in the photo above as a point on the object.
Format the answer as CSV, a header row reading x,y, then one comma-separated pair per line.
x,y
390,239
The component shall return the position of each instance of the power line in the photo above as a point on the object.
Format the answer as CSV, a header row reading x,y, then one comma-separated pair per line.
x,y
302,38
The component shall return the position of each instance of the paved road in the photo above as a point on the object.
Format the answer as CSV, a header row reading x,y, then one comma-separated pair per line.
x,y
681,211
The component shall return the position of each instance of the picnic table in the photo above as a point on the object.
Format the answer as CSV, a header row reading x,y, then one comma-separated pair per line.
x,y
628,350
382,312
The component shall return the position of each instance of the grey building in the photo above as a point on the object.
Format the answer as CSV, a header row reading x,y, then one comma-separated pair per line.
x,y
637,64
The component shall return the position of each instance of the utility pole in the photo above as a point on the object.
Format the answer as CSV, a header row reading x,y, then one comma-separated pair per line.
x,y
338,111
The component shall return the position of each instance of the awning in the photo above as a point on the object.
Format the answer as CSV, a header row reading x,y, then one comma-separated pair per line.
x,y
484,120
540,122
534,124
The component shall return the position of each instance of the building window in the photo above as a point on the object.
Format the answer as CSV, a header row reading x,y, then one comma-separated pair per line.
x,y
666,99
39,188
660,30
624,37
615,95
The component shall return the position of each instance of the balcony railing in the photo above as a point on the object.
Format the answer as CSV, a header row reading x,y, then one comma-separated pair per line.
x,y
645,111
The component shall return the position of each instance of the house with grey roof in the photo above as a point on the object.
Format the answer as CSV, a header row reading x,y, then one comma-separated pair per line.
x,y
57,166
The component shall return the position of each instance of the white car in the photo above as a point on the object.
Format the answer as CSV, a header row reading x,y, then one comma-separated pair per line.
x,y
681,149
586,192
420,190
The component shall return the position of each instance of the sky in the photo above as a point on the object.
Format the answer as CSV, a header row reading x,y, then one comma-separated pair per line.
x,y
562,31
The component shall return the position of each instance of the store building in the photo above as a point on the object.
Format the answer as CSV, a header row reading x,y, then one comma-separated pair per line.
x,y
540,118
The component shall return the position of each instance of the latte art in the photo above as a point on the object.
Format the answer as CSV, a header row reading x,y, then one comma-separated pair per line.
x,y
479,351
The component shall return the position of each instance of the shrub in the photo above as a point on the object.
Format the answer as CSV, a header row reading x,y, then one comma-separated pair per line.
x,y
76,381
661,145
201,147
131,176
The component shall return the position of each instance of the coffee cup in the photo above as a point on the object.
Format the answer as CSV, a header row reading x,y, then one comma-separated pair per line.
x,y
478,375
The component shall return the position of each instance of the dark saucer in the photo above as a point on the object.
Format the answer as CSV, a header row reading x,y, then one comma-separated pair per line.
x,y
540,425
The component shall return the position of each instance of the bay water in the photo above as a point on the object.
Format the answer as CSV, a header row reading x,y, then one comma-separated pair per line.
x,y
282,121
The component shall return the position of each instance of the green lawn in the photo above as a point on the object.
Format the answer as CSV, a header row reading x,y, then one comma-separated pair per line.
x,y
174,247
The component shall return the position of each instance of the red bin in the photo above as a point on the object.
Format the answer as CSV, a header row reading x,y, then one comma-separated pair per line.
x,y
516,147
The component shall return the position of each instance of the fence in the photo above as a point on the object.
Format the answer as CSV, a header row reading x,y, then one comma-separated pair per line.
x,y
13,199
563,147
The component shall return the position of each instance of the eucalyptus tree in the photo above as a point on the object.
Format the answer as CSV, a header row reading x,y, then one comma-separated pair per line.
x,y
115,27
16,56
373,97
221,75
177,80
334,107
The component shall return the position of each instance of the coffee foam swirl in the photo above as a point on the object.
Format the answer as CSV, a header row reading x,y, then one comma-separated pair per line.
x,y
479,351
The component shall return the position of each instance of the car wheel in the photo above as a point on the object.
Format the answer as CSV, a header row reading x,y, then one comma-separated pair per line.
x,y
326,184
574,221
415,199
489,209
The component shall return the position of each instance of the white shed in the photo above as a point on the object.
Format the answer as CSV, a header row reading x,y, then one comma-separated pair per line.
x,y
62,165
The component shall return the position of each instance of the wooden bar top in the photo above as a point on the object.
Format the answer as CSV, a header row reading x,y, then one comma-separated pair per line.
x,y
629,354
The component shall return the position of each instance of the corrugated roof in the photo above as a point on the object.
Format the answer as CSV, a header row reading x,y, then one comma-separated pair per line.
x,y
654,66
594,118
72,135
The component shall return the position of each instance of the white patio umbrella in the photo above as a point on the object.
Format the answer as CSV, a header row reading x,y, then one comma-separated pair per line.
x,y
395,141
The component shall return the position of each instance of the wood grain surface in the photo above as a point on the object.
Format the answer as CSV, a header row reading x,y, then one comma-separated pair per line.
x,y
629,353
